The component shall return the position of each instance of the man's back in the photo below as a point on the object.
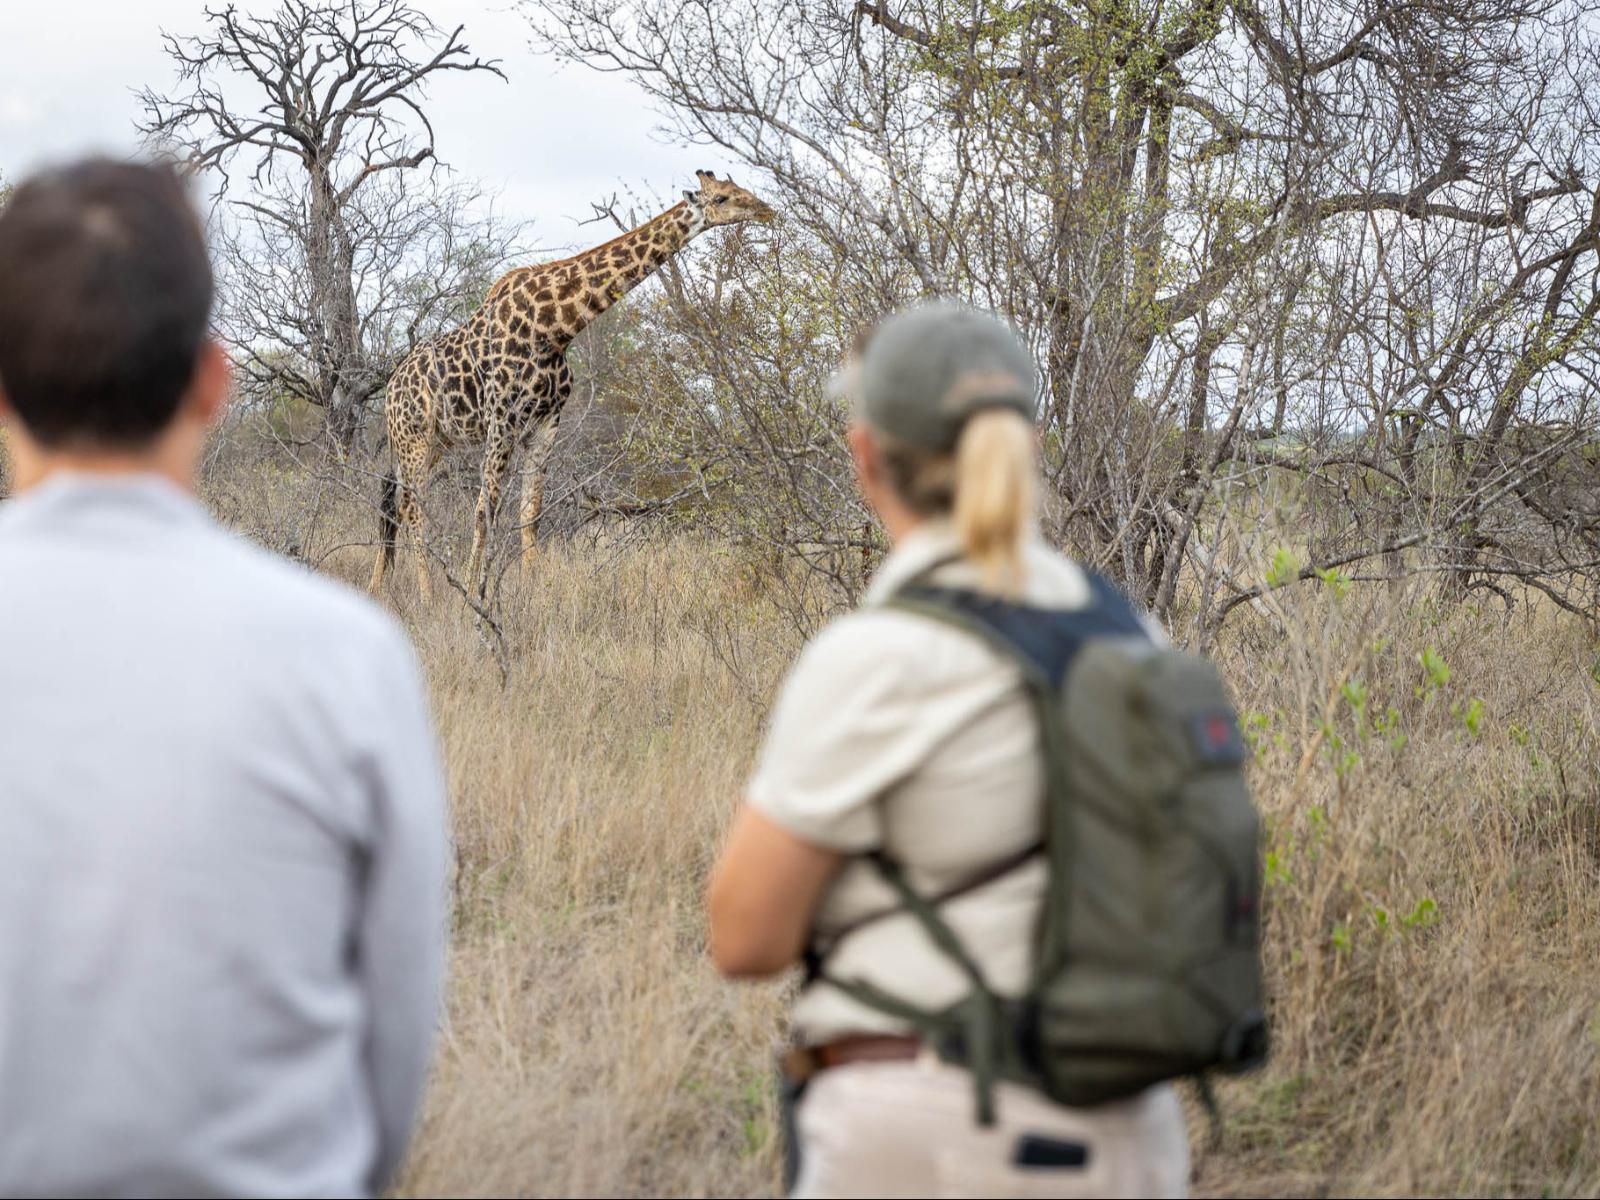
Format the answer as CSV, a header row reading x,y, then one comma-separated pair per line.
x,y
221,859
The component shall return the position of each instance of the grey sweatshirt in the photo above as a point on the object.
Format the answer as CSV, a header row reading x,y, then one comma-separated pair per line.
x,y
222,860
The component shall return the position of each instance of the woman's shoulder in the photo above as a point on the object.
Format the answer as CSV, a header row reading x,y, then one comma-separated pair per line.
x,y
1056,581
869,638
884,650
1053,579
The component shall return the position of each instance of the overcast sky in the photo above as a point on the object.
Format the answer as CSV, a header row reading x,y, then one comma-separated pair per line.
x,y
549,140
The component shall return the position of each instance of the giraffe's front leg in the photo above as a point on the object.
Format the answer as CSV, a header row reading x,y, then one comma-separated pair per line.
x,y
496,460
540,440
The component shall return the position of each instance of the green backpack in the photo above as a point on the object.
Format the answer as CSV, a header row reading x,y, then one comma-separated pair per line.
x,y
1147,957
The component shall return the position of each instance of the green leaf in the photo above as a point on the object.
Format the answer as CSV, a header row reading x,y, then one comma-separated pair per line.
x,y
1426,913
1285,568
1277,867
1337,582
1341,939
1434,666
1471,716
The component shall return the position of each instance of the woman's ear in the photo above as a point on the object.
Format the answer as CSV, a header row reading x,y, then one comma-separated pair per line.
x,y
864,453
873,480
867,456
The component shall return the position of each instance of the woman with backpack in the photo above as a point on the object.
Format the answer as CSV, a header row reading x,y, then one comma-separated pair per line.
x,y
904,772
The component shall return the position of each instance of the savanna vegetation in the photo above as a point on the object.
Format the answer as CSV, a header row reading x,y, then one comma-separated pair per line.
x,y
1313,292
1428,767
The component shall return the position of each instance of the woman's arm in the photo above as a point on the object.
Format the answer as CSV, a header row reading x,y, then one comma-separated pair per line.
x,y
763,895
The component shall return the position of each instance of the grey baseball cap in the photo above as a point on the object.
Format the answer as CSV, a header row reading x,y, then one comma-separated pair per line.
x,y
928,368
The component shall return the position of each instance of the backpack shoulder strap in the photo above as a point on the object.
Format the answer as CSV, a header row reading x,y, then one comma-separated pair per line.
x,y
976,1022
1043,641
980,878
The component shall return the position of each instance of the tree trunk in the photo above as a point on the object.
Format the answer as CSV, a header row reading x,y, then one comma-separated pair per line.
x,y
339,361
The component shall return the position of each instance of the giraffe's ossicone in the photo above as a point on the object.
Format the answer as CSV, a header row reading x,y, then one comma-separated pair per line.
x,y
501,379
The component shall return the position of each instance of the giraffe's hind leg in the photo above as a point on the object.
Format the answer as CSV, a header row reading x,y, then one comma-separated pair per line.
x,y
388,530
496,460
412,443
540,441
411,518
414,463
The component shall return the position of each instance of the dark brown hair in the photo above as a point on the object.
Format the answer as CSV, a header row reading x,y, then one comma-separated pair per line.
x,y
105,301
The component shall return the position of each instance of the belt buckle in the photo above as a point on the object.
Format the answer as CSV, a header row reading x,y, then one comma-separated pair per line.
x,y
800,1063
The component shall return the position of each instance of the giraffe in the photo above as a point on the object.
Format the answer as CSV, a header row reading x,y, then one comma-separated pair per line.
x,y
501,378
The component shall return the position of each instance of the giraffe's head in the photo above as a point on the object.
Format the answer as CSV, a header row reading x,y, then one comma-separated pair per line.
x,y
723,202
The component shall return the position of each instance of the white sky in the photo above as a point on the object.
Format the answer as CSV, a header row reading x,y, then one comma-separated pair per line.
x,y
548,141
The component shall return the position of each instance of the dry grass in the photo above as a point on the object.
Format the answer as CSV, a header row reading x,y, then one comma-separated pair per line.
x,y
1434,889
1433,901
590,1049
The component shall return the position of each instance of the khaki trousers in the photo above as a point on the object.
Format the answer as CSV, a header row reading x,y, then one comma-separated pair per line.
x,y
910,1129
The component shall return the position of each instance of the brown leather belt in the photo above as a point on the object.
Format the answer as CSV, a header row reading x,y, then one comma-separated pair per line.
x,y
805,1061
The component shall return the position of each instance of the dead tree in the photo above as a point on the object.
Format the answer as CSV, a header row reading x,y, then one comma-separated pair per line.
x,y
423,253
336,90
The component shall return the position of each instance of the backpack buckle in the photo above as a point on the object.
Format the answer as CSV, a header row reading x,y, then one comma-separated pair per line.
x,y
1245,1043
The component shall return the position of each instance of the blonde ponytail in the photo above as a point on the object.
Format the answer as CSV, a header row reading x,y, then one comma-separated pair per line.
x,y
988,486
996,484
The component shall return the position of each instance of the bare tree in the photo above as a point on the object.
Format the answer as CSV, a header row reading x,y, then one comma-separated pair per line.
x,y
422,255
1343,247
336,91
709,405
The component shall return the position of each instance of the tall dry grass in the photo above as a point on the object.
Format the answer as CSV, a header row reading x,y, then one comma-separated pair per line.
x,y
590,1050
1428,775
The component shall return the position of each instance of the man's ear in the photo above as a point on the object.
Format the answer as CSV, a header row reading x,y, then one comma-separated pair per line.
x,y
207,398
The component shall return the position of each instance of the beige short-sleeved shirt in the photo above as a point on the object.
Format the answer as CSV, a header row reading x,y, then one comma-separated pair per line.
x,y
897,732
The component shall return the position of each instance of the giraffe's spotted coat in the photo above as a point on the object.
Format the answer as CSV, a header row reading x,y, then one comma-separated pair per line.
x,y
501,379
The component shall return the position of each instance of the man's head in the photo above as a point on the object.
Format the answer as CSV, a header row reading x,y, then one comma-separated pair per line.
x,y
105,303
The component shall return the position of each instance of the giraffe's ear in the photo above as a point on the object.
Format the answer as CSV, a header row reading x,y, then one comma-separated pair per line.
x,y
688,195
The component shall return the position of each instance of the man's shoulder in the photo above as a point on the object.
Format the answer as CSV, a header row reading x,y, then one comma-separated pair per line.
x,y
290,595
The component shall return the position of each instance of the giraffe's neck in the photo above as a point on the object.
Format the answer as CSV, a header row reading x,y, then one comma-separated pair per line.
x,y
609,272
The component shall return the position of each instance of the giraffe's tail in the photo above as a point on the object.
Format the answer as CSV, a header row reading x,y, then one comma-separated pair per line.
x,y
389,516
